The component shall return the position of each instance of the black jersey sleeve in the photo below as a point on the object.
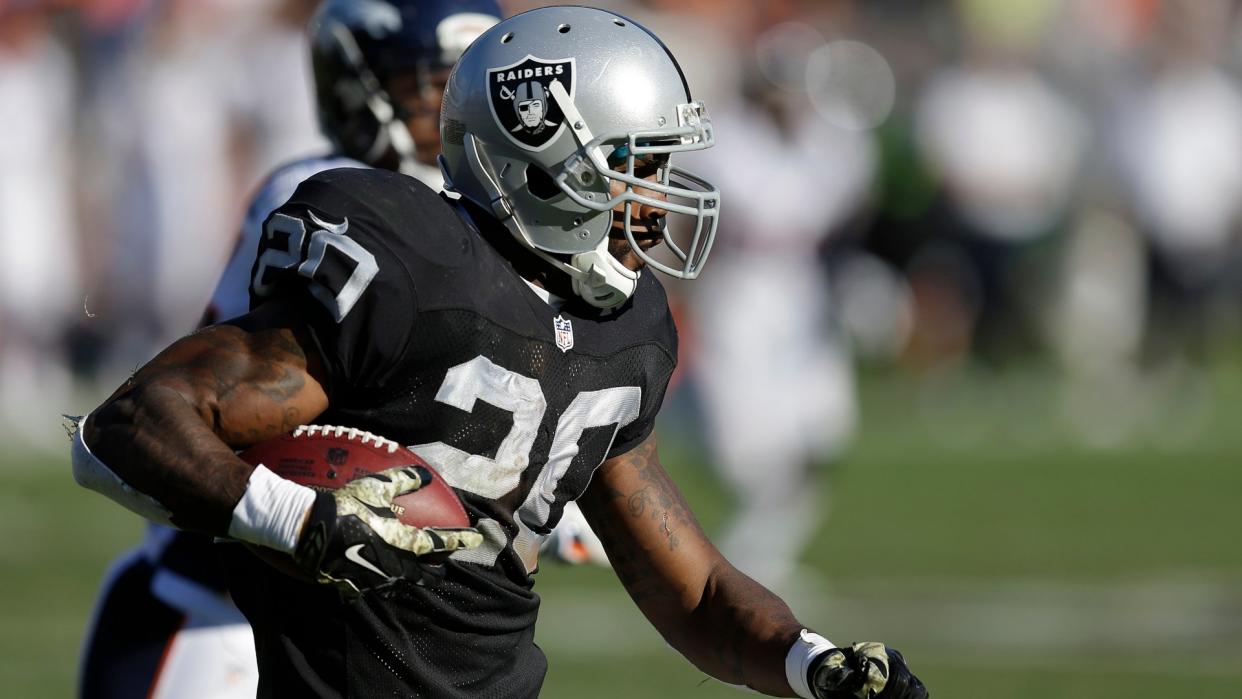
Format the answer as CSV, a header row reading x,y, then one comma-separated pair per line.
x,y
333,252
633,434
650,311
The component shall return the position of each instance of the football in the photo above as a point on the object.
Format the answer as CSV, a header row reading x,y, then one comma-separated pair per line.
x,y
326,457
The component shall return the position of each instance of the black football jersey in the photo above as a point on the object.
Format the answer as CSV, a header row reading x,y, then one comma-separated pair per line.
x,y
430,338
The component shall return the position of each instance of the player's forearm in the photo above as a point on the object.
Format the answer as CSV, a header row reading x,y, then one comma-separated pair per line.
x,y
159,441
738,632
728,625
171,430
745,629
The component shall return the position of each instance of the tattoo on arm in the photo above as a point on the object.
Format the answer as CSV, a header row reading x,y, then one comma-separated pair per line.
x,y
658,498
653,501
170,431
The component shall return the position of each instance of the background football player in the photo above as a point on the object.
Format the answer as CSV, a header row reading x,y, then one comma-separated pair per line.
x,y
776,375
164,624
513,339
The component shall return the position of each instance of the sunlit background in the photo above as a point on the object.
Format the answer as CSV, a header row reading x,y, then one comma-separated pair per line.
x,y
962,375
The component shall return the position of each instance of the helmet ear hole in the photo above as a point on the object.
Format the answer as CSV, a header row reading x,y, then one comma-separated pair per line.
x,y
540,183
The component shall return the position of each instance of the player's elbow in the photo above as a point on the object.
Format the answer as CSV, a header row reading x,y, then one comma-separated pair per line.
x,y
114,418
105,460
141,409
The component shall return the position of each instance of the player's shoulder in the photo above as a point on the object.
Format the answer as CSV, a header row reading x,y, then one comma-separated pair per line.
x,y
378,194
385,210
295,171
381,191
644,320
281,182
648,315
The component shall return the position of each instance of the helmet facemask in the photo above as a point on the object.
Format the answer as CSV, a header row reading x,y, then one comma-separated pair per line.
x,y
557,157
390,133
585,177
682,192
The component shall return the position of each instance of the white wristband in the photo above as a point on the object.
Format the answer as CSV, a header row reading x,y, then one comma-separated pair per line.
x,y
271,511
807,648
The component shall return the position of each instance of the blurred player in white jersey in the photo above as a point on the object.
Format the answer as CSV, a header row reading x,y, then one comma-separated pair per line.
x,y
776,373
36,194
164,625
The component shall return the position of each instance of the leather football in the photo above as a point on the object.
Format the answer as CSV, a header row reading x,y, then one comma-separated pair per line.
x,y
326,457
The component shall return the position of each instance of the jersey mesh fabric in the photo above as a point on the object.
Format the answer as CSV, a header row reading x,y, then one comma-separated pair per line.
x,y
443,298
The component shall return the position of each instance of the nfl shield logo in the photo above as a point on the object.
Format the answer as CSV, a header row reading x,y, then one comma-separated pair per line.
x,y
522,103
564,333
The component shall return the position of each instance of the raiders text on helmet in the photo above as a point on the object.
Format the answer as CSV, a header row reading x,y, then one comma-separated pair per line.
x,y
546,110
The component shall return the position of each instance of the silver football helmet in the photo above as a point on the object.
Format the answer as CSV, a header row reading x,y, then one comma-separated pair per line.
x,y
549,108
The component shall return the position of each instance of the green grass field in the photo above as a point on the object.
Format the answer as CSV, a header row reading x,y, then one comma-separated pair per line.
x,y
1017,563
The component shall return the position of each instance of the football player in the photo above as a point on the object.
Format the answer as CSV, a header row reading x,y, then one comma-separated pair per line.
x,y
165,625
516,340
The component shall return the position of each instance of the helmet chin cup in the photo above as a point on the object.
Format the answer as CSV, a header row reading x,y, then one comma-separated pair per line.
x,y
601,279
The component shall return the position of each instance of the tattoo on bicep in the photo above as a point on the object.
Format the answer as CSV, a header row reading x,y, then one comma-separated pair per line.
x,y
654,501
624,554
263,372
274,377
659,499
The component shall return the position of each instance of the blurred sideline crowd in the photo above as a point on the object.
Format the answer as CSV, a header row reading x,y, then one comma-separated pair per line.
x,y
918,186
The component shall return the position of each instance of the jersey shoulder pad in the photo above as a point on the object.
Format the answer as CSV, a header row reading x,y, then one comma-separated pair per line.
x,y
343,227
231,296
348,249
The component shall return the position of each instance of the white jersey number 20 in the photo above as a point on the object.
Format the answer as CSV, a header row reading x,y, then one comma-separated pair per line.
x,y
283,238
482,379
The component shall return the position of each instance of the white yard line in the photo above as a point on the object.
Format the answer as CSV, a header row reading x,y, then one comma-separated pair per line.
x,y
1012,623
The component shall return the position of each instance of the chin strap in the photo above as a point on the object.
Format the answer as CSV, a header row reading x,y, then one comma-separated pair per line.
x,y
601,280
598,278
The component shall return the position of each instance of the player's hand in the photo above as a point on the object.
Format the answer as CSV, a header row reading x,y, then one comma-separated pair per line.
x,y
864,671
353,540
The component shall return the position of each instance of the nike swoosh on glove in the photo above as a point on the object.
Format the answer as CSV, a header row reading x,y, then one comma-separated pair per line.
x,y
354,541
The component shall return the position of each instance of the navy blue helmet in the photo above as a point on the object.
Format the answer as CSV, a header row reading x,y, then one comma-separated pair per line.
x,y
358,46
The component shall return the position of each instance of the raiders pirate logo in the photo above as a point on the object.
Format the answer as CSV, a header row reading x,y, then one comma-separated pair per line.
x,y
522,103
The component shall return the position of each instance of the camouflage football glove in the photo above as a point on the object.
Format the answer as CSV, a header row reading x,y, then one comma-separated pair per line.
x,y
863,671
354,541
